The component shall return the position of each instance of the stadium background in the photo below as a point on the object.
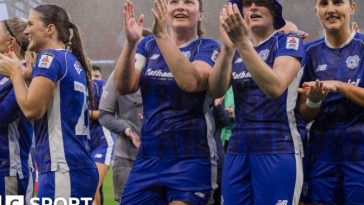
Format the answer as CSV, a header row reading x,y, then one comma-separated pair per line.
x,y
101,26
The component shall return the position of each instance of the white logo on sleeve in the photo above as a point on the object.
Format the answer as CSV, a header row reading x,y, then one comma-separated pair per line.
x,y
282,202
154,57
352,62
292,43
45,61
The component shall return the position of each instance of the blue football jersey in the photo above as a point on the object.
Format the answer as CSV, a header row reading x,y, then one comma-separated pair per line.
x,y
264,125
96,130
176,123
15,135
61,134
337,132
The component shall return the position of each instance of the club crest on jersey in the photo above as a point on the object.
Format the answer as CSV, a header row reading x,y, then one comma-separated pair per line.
x,y
352,62
264,54
45,60
293,42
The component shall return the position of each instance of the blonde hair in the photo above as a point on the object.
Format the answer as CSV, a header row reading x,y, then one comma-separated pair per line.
x,y
16,27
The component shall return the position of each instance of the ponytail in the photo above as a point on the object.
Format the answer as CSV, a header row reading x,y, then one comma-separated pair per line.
x,y
75,45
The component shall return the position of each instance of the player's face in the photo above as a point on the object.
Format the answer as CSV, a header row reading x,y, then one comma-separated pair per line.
x,y
36,32
96,75
184,14
334,15
257,14
4,39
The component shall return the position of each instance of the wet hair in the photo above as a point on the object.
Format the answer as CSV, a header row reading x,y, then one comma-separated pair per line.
x,y
200,31
68,33
15,27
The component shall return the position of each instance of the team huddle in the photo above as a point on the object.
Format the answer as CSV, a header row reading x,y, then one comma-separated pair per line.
x,y
298,130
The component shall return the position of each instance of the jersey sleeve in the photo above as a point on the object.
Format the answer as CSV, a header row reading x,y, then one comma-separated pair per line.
x,y
8,108
208,52
291,45
108,99
47,66
142,53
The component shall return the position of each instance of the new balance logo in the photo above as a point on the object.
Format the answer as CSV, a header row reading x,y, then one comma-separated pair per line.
x,y
321,68
154,57
282,202
201,195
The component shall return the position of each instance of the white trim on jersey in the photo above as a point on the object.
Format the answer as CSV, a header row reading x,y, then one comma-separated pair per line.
x,y
62,185
210,125
110,146
55,136
291,104
140,62
14,150
299,180
297,142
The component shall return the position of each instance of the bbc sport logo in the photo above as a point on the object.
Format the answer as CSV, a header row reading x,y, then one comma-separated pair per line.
x,y
19,200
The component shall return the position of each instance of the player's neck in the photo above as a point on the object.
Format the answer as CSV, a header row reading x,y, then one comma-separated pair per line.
x,y
260,35
54,45
181,38
338,37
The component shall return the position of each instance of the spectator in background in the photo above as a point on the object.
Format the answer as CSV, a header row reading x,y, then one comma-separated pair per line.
x,y
122,114
96,72
101,140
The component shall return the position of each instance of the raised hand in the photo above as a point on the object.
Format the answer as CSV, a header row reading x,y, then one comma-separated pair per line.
x,y
160,18
315,91
9,64
224,36
234,25
132,28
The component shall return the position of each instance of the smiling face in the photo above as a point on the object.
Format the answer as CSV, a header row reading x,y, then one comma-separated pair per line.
x,y
258,14
36,32
334,15
184,14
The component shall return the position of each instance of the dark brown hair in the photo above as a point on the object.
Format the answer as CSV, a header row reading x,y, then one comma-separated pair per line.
x,y
69,34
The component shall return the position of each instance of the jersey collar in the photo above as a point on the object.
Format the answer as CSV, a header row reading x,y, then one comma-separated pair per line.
x,y
328,44
261,43
189,42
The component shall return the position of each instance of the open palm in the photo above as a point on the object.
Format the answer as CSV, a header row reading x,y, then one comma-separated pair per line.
x,y
133,29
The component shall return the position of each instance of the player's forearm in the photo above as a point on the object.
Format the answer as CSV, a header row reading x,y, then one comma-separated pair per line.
x,y
263,75
184,72
112,123
220,77
352,92
126,79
